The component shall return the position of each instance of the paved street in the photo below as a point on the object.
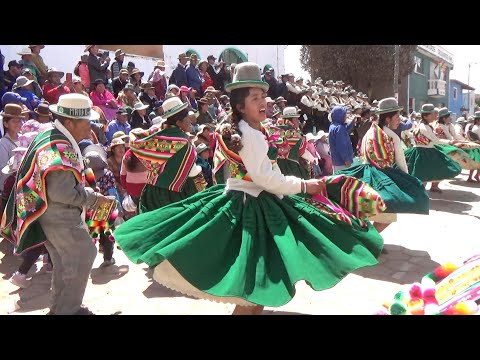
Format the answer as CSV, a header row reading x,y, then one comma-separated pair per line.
x,y
416,244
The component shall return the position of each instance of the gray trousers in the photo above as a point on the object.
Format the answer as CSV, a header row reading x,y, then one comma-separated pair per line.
x,y
73,253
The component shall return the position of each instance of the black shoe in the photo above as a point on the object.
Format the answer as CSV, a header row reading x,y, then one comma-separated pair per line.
x,y
84,311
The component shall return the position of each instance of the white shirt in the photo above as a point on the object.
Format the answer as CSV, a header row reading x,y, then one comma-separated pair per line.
x,y
259,168
476,129
306,101
399,154
458,135
428,133
293,88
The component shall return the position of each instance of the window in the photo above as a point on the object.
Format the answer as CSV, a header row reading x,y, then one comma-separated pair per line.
x,y
232,55
418,61
454,93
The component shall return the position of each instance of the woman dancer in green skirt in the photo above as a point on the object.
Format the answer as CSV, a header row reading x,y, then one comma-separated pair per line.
x,y
250,241
385,168
424,160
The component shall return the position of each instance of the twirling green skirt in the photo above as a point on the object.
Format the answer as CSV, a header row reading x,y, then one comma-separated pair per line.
x,y
469,159
401,192
236,248
430,164
154,197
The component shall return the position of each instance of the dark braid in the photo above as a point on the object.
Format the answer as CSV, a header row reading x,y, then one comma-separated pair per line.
x,y
425,120
382,119
232,136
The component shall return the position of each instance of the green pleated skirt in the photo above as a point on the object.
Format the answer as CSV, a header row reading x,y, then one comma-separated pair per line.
x,y
430,164
236,248
401,192
154,197
467,160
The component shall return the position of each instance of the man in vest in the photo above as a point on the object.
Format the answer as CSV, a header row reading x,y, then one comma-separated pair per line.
x,y
49,203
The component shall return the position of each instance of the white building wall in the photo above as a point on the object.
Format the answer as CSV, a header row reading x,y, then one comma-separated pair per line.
x,y
65,57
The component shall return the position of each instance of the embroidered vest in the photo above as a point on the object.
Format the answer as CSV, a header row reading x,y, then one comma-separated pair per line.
x,y
236,167
420,138
378,148
168,155
49,151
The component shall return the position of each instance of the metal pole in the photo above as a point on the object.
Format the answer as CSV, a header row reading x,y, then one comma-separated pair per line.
x,y
468,83
396,71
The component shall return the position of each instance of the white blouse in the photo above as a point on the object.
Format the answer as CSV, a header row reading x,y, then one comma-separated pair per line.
x,y
259,167
428,133
399,154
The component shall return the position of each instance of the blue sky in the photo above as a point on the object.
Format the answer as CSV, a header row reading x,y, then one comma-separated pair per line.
x,y
463,54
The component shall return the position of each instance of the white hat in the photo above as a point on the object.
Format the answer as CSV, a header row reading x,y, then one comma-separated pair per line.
x,y
25,51
14,162
74,106
139,106
157,120
21,81
173,106
290,112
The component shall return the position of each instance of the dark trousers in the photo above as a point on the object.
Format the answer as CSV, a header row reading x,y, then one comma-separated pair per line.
x,y
30,257
107,246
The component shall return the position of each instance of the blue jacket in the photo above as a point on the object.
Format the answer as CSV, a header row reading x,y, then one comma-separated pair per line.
x,y
193,78
32,100
404,126
338,138
179,76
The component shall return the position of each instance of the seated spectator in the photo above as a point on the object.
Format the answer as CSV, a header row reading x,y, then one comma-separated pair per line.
x,y
204,116
53,87
120,82
24,87
203,153
78,87
127,97
147,96
37,90
139,117
157,110
43,114
10,75
136,80
120,123
104,99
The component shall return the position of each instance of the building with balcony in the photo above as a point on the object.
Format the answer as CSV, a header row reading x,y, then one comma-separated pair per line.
x,y
458,98
429,81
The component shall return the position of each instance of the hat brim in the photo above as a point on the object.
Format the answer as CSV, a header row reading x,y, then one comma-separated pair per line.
x,y
40,114
388,110
9,116
174,110
96,148
137,72
88,47
62,74
93,114
247,84
141,108
291,116
15,86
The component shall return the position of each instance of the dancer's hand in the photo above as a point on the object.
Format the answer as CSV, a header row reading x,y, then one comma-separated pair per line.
x,y
314,186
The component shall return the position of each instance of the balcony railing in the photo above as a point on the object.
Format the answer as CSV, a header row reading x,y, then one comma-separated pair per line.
x,y
436,88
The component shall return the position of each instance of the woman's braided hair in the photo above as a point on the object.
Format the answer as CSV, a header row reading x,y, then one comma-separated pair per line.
x,y
232,136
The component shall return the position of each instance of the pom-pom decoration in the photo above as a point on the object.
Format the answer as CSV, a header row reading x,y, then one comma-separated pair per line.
x,y
448,290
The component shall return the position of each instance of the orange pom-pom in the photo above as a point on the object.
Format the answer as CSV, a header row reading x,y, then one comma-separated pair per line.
x,y
443,271
416,307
